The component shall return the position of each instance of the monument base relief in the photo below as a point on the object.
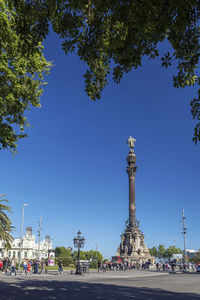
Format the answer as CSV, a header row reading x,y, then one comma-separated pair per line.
x,y
132,247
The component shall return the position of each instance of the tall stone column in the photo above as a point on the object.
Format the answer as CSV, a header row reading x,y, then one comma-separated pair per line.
x,y
132,247
131,170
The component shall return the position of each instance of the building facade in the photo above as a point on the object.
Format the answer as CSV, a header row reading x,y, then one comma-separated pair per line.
x,y
191,253
30,249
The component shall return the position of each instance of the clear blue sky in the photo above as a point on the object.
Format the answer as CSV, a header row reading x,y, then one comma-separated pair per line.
x,y
72,167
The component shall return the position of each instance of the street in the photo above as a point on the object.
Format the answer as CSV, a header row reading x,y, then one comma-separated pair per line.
x,y
110,285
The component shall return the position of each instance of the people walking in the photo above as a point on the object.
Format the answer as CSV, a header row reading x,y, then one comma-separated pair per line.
x,y
1,265
104,267
35,266
13,266
29,267
46,265
24,267
5,264
193,267
158,266
60,267
42,266
99,266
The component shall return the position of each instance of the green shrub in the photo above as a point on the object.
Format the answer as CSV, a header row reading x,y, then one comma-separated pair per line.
x,y
93,264
67,260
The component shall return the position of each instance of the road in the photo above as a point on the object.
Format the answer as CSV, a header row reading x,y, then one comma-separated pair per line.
x,y
148,285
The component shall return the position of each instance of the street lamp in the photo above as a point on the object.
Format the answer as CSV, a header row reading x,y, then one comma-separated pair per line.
x,y
78,243
20,251
184,234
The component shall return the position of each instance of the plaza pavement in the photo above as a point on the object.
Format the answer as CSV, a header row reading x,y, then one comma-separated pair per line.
x,y
132,284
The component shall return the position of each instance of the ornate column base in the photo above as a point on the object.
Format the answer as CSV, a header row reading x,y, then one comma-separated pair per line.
x,y
132,247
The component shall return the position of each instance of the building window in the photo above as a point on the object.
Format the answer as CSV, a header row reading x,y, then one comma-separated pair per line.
x,y
3,244
9,253
14,253
25,254
18,254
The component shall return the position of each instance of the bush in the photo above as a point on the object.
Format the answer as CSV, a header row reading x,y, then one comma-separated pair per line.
x,y
93,264
72,265
67,260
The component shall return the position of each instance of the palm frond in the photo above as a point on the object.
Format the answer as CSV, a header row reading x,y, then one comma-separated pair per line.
x,y
6,227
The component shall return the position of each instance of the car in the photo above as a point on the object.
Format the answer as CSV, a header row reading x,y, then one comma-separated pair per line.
x,y
198,268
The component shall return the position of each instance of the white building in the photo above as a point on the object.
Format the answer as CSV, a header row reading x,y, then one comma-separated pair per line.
x,y
30,249
191,253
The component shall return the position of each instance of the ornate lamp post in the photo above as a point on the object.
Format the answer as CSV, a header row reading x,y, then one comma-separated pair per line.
x,y
78,243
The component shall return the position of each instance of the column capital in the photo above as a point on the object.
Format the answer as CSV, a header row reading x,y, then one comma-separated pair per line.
x,y
131,170
131,160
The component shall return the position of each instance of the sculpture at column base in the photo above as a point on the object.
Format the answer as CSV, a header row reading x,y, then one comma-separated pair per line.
x,y
132,247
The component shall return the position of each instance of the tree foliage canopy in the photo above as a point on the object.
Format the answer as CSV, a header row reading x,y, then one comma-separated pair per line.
x,y
21,76
162,253
62,251
68,257
87,255
109,36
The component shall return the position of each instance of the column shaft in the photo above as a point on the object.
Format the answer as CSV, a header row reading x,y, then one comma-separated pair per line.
x,y
131,201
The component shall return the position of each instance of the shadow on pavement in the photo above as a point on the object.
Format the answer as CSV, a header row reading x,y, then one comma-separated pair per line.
x,y
38,289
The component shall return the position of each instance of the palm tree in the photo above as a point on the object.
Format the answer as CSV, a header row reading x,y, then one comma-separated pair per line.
x,y
5,222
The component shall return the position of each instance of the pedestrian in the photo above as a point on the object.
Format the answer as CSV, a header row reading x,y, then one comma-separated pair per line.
x,y
193,267
13,266
35,266
163,267
184,267
104,267
60,267
42,265
29,267
157,266
46,265
1,265
7,264
99,266
173,266
24,267
4,265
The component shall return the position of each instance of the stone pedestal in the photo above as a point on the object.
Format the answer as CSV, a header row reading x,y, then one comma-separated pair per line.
x,y
132,247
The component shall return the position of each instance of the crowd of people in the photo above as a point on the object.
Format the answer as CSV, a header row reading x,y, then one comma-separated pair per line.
x,y
121,266
39,266
165,266
29,266
173,266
